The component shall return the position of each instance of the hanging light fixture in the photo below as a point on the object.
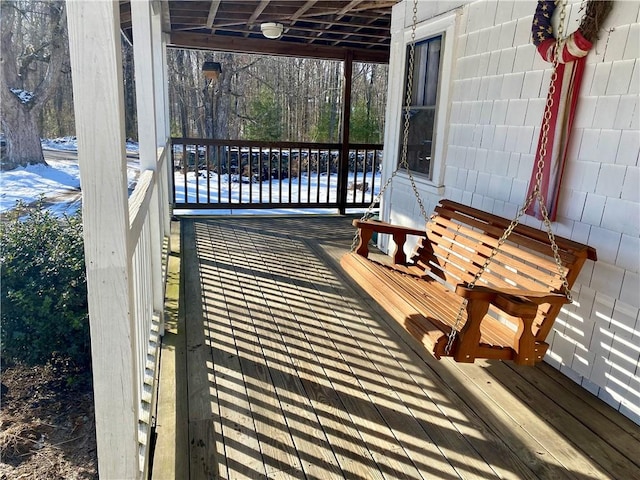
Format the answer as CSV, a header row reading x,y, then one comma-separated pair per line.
x,y
211,70
272,30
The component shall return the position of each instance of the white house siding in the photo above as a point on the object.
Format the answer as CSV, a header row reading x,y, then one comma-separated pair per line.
x,y
498,86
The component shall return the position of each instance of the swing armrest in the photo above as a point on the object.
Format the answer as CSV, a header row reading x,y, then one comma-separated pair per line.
x,y
399,233
512,300
384,227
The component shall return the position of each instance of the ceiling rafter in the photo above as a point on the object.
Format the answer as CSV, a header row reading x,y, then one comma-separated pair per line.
x,y
351,5
363,40
319,28
358,32
302,10
269,47
213,10
258,11
311,17
318,21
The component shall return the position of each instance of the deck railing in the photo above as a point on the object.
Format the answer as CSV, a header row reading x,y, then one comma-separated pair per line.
x,y
147,231
234,174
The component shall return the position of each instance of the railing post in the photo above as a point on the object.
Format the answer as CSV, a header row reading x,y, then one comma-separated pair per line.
x,y
145,70
346,120
149,250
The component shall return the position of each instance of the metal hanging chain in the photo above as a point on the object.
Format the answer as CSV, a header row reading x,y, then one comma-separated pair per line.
x,y
403,164
536,194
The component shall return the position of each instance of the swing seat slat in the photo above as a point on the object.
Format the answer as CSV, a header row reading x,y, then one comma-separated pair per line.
x,y
511,309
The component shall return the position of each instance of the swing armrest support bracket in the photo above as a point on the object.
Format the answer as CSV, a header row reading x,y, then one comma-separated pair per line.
x,y
399,234
522,304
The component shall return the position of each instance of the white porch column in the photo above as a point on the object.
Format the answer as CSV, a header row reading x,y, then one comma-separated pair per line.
x,y
160,77
163,129
145,72
95,50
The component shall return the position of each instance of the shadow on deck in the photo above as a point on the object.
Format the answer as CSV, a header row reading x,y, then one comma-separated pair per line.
x,y
281,367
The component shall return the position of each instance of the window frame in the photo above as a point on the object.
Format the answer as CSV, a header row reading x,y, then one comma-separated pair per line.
x,y
419,90
447,26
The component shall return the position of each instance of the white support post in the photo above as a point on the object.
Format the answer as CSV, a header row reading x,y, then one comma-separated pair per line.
x,y
95,51
160,79
163,129
145,69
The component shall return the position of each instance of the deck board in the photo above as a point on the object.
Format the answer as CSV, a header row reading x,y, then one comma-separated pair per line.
x,y
294,372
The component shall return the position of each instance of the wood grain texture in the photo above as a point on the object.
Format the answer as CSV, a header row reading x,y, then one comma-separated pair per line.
x,y
460,245
312,379
95,53
171,448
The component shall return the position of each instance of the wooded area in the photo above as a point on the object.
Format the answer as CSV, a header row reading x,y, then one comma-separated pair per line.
x,y
260,97
256,97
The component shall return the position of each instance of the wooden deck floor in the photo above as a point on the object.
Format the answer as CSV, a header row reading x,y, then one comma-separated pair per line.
x,y
293,372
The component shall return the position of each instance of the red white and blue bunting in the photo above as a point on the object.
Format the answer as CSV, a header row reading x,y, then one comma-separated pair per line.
x,y
562,102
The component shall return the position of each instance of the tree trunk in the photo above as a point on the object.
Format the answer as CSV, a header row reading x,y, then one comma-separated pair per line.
x,y
130,112
179,92
307,92
222,98
334,122
20,114
23,142
209,97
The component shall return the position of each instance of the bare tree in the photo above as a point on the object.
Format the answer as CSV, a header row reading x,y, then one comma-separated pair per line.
x,y
34,45
307,94
129,80
222,98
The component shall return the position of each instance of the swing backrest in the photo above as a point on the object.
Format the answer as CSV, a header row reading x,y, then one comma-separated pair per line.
x,y
460,238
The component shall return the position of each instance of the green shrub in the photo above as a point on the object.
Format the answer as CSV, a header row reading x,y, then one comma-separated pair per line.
x,y
44,290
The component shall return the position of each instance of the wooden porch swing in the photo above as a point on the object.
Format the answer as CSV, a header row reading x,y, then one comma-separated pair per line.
x,y
476,285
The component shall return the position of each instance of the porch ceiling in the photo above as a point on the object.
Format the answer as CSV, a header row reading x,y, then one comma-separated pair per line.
x,y
312,28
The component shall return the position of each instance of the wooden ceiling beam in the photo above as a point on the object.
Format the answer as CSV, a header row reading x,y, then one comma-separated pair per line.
x,y
213,11
358,32
348,7
302,10
379,5
327,26
258,11
384,28
347,10
320,21
227,19
346,34
202,21
360,38
269,47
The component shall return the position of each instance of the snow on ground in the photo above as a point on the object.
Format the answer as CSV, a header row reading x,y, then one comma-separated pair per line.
x,y
62,143
59,182
28,184
71,144
309,188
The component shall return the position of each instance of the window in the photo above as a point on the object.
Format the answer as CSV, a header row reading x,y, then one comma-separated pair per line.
x,y
424,98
